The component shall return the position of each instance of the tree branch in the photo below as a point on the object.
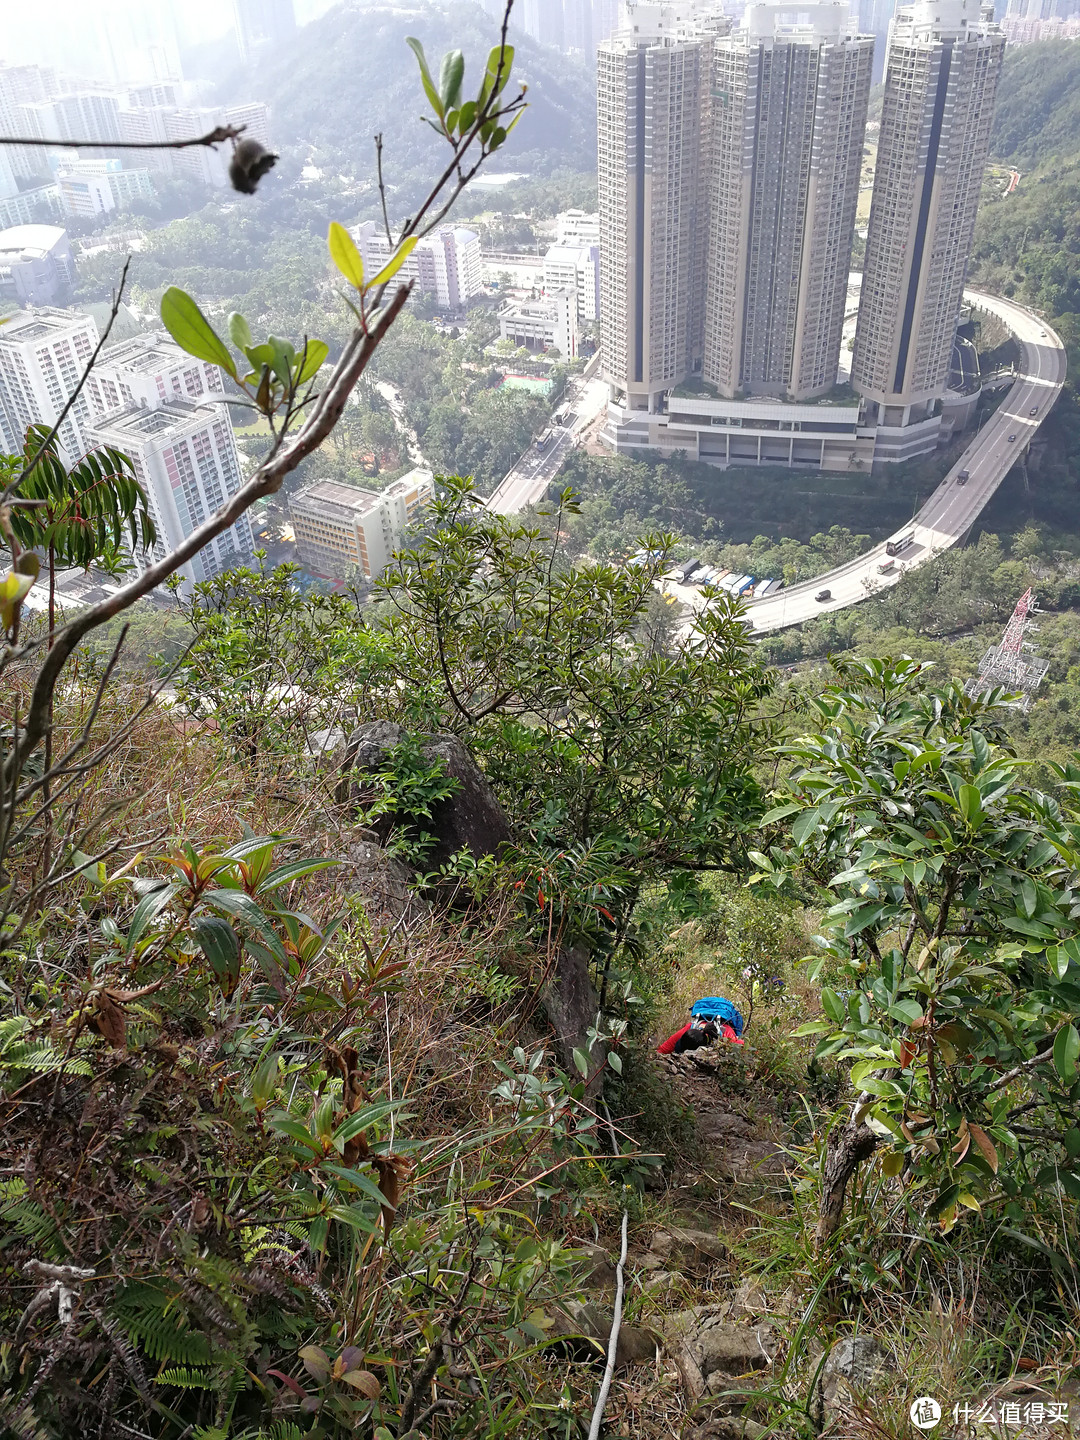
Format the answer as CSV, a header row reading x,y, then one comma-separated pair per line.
x,y
214,137
267,480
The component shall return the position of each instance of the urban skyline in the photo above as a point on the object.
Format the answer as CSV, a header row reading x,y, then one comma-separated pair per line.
x,y
729,164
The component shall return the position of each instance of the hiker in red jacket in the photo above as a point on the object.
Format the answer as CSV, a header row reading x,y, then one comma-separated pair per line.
x,y
710,1019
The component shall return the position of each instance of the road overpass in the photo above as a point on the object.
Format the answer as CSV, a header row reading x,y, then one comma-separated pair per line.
x,y
953,508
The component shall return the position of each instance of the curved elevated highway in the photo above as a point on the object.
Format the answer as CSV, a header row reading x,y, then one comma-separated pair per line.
x,y
948,514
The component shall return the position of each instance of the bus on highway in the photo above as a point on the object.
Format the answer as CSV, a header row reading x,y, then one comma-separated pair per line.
x,y
897,547
545,440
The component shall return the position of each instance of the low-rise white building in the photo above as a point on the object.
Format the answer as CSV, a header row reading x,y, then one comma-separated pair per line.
x,y
547,324
575,267
814,436
445,264
342,528
36,267
577,227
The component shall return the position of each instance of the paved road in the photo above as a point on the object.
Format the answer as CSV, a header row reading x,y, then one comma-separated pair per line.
x,y
534,472
949,513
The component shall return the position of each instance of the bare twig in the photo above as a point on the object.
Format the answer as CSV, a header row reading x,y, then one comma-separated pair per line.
x,y
214,137
1037,1059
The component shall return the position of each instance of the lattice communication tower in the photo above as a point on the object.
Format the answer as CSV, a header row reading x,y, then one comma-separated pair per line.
x,y
1013,664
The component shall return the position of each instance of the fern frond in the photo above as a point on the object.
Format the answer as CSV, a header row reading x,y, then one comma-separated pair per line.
x,y
186,1379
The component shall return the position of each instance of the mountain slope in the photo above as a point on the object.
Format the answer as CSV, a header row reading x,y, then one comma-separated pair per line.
x,y
351,74
1038,103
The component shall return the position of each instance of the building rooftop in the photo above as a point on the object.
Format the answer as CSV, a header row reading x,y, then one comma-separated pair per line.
x,y
38,239
39,324
138,423
330,497
156,348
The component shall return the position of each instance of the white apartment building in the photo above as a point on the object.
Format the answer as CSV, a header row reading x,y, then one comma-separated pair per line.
x,y
184,456
42,355
342,528
445,264
653,81
577,227
547,324
95,187
149,370
790,92
944,62
153,400
91,115
575,267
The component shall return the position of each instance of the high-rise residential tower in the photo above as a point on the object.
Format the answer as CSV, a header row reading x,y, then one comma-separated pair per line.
x,y
789,98
940,84
653,97
42,355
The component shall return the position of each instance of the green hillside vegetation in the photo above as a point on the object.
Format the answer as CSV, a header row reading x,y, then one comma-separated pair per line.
x,y
348,75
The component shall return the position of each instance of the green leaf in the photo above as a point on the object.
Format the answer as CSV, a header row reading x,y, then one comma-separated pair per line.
x,y
218,942
805,826
13,591
581,1063
295,1131
394,264
1066,1052
1029,897
237,905
239,331
425,75
294,870
146,912
906,1011
615,1061
363,1182
970,800
451,74
833,1006
779,812
310,362
814,1027
345,255
192,331
496,75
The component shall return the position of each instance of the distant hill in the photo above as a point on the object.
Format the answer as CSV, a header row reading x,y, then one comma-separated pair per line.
x,y
1038,103
350,74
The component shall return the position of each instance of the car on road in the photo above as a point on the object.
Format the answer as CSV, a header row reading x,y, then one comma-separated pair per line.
x,y
1012,438
823,595
963,477
1043,334
1034,410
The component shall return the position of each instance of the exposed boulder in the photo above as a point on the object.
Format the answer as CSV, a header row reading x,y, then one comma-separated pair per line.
x,y
853,1368
711,1350
592,1325
384,885
471,819
729,1427
688,1249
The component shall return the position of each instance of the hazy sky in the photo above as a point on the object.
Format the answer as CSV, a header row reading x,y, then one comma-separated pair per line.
x,y
95,36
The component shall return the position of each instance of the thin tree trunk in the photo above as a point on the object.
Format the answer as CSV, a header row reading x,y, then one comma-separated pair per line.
x,y
46,789
847,1149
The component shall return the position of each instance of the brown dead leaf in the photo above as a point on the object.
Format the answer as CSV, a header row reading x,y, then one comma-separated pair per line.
x,y
364,1381
108,1020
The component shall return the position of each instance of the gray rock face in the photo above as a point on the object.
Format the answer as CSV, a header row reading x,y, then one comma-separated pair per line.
x,y
853,1367
729,1427
636,1345
470,819
383,884
711,1350
688,1249
473,819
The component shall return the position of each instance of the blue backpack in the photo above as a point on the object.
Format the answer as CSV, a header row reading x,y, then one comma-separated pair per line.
x,y
715,1007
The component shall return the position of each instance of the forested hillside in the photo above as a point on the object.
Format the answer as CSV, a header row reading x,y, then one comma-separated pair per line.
x,y
350,75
